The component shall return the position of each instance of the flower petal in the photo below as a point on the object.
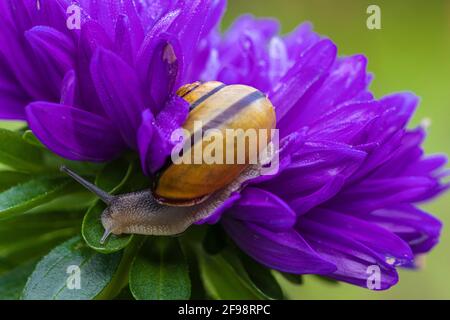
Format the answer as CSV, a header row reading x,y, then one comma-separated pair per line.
x,y
346,80
352,258
310,68
419,229
160,64
264,209
313,166
68,89
349,123
380,240
119,91
73,133
285,251
157,132
300,40
92,37
371,194
12,98
54,52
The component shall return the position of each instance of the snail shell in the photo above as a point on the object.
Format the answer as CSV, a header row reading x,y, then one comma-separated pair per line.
x,y
220,107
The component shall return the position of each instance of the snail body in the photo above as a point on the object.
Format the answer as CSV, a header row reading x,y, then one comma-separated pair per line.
x,y
185,193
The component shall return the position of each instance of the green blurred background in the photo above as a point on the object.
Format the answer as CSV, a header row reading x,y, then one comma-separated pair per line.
x,y
410,52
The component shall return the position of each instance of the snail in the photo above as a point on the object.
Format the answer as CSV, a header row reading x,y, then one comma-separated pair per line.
x,y
184,193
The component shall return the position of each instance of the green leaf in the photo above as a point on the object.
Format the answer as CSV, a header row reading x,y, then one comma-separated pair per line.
x,y
262,278
11,178
125,294
26,248
92,231
120,280
114,175
18,199
160,271
198,291
327,280
292,278
12,282
29,137
53,162
112,178
215,239
49,280
232,269
32,225
77,200
17,153
222,281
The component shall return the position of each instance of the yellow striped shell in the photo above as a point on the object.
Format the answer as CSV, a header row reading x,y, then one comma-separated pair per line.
x,y
217,106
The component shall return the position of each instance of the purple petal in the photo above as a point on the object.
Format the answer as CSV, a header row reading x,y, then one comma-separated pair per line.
x,y
372,194
106,12
288,146
217,214
54,52
68,89
73,133
119,91
19,57
263,208
215,14
380,240
352,258
12,99
302,204
349,123
285,251
313,166
346,80
154,134
92,37
51,13
310,68
160,64
419,229
300,40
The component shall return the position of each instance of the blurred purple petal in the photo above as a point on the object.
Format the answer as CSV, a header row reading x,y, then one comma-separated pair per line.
x,y
386,243
12,99
293,86
286,251
68,88
263,208
313,166
160,65
419,229
54,53
120,93
346,80
73,133
154,134
92,37
351,257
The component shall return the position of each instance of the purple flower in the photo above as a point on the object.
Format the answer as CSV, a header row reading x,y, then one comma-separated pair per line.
x,y
351,173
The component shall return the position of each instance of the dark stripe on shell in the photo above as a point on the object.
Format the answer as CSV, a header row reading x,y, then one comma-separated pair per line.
x,y
206,96
192,89
225,115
